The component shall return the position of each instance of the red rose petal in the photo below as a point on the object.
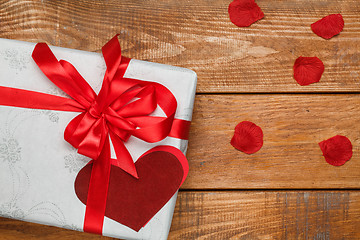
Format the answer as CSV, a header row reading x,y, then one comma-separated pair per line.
x,y
308,70
248,137
336,150
328,26
243,13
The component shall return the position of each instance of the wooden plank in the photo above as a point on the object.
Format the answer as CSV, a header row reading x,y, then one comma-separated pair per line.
x,y
238,215
293,125
199,35
267,215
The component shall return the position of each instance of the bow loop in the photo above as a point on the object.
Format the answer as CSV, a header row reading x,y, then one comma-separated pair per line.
x,y
55,71
144,103
85,89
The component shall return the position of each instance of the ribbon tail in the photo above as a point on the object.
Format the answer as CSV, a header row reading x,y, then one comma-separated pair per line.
x,y
124,159
98,190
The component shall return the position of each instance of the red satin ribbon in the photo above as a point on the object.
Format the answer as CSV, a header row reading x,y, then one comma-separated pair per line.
x,y
120,110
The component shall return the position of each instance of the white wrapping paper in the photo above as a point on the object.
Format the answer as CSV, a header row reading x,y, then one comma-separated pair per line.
x,y
38,167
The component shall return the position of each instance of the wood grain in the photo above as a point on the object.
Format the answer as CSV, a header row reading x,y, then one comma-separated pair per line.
x,y
267,215
293,125
198,35
238,215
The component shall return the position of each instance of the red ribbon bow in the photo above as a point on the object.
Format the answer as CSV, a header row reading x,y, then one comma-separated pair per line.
x,y
120,110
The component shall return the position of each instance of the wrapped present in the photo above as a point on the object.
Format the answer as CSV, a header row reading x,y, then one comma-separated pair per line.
x,y
93,142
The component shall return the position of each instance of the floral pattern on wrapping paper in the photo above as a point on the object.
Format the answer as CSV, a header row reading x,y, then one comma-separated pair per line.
x,y
74,162
72,227
16,60
58,92
102,69
19,181
53,116
11,210
51,210
10,150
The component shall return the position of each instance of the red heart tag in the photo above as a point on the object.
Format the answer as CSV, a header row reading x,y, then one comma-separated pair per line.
x,y
133,202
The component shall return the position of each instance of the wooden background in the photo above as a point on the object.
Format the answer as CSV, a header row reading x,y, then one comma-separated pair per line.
x,y
286,190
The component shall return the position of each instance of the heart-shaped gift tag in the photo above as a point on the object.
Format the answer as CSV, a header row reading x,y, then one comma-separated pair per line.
x,y
133,202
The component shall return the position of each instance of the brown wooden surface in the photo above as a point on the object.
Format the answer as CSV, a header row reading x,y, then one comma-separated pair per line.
x,y
293,125
267,215
198,35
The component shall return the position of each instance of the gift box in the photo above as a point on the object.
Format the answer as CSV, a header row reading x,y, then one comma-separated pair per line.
x,y
45,179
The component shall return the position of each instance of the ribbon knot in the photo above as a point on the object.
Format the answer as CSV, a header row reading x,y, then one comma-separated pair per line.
x,y
119,119
95,111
